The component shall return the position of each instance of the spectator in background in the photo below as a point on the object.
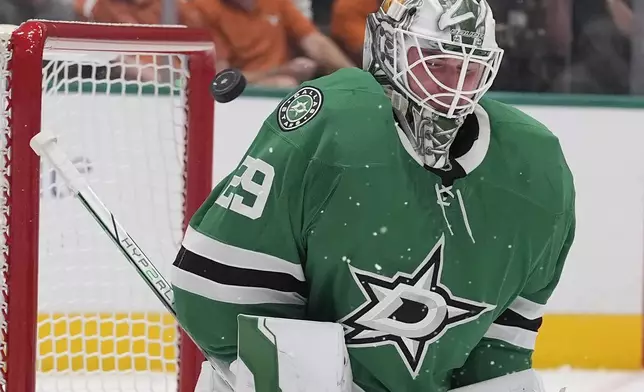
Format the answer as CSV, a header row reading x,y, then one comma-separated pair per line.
x,y
601,47
133,11
263,38
348,22
535,35
16,12
137,12
54,9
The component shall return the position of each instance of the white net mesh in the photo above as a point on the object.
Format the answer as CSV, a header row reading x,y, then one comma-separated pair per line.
x,y
99,326
96,316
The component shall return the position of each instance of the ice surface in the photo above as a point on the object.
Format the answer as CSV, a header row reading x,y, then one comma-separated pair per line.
x,y
573,380
109,382
593,381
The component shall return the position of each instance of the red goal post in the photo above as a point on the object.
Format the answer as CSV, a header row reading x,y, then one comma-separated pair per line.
x,y
51,78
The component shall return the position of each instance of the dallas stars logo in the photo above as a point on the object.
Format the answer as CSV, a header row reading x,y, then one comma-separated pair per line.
x,y
299,108
408,311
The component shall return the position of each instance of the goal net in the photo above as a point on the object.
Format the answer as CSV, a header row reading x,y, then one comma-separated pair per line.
x,y
131,107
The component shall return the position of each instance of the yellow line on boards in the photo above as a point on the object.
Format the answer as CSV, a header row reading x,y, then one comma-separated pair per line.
x,y
590,342
146,342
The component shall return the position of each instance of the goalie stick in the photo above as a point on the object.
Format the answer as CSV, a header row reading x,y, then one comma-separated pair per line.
x,y
45,145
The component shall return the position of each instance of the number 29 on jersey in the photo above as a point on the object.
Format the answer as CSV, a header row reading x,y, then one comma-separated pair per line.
x,y
247,193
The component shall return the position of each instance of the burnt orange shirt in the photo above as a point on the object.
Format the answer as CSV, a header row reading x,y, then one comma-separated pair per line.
x,y
348,22
258,40
138,11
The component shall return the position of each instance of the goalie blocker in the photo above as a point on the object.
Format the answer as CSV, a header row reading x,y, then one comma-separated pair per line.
x,y
288,355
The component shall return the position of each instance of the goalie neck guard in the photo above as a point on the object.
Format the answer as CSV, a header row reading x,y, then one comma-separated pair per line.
x,y
435,60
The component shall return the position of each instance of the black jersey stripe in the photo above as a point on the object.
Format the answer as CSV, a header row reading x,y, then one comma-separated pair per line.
x,y
513,319
235,276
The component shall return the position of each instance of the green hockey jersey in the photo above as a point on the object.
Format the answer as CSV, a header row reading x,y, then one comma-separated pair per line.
x,y
438,277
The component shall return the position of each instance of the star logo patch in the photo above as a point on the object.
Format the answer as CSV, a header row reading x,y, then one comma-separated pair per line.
x,y
300,108
408,311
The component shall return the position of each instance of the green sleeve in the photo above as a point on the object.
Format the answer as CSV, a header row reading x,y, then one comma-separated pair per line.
x,y
245,249
509,343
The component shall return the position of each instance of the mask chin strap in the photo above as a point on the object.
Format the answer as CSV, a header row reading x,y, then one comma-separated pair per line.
x,y
430,135
435,135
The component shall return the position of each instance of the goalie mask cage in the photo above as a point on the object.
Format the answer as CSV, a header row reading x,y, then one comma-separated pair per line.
x,y
75,314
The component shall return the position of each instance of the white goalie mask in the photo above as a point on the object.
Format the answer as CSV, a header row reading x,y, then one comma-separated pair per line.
x,y
436,59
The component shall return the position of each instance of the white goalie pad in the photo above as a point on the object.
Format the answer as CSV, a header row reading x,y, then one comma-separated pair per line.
x,y
292,355
527,380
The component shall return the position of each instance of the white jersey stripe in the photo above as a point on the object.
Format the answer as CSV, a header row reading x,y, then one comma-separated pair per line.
x,y
514,335
231,294
233,256
528,309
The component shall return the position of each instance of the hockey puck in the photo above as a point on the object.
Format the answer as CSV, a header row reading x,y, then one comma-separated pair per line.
x,y
228,85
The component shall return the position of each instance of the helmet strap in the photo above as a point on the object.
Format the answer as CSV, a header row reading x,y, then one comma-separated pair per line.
x,y
430,134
